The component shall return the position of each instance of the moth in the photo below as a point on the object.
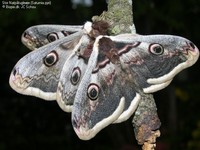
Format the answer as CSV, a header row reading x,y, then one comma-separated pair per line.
x,y
100,78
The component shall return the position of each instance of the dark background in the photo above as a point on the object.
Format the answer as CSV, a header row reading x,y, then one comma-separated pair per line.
x,y
29,123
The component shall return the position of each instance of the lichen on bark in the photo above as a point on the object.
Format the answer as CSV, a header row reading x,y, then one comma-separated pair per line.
x,y
119,16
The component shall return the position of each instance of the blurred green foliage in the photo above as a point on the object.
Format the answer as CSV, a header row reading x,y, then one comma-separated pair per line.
x,y
30,123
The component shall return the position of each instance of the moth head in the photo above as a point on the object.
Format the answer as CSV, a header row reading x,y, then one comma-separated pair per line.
x,y
99,28
96,28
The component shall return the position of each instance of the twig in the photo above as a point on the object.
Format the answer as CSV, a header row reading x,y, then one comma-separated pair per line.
x,y
146,122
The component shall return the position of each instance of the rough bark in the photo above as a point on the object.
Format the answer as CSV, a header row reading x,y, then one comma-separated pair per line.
x,y
146,122
119,16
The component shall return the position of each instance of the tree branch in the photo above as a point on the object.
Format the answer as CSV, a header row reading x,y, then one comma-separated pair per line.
x,y
146,122
120,20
